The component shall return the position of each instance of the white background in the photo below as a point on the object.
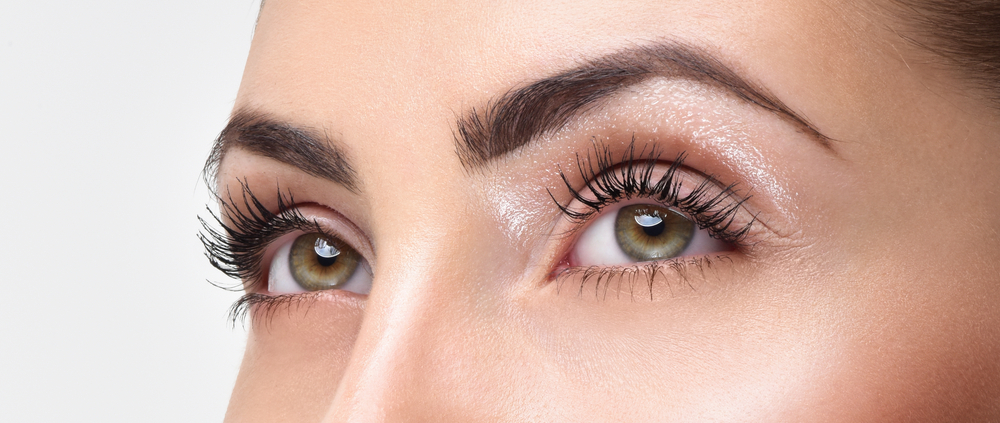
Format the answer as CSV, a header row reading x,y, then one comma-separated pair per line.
x,y
107,111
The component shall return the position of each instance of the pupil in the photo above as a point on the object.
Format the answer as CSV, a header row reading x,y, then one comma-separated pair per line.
x,y
326,254
651,225
326,261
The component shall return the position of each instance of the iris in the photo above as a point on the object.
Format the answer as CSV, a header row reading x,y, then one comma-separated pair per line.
x,y
320,262
648,232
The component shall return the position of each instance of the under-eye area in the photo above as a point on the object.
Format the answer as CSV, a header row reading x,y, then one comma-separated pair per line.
x,y
261,309
650,280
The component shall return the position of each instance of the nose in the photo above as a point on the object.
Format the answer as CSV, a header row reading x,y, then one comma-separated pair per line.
x,y
438,343
443,334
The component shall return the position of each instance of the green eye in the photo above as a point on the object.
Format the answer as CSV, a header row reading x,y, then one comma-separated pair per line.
x,y
647,232
318,262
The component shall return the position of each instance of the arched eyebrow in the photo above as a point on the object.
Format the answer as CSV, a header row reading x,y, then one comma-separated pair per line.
x,y
520,116
298,146
513,120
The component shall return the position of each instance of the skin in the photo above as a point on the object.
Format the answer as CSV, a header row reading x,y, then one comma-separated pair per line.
x,y
870,292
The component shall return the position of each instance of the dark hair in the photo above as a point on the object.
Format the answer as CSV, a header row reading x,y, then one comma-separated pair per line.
x,y
965,33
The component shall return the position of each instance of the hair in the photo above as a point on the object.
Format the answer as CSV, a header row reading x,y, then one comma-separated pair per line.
x,y
964,33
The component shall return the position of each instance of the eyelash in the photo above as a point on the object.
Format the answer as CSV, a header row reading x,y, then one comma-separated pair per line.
x,y
238,249
679,267
611,181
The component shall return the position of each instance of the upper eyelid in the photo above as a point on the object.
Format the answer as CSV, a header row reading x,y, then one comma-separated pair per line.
x,y
611,179
249,229
335,224
583,219
316,218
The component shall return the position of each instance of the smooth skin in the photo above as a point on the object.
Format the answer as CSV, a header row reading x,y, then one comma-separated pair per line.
x,y
870,294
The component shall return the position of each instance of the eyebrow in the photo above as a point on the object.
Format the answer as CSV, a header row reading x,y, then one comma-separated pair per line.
x,y
520,116
301,147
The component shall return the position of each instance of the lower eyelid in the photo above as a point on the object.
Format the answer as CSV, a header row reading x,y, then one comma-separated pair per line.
x,y
261,308
652,280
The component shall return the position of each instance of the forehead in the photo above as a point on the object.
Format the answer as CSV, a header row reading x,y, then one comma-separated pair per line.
x,y
388,69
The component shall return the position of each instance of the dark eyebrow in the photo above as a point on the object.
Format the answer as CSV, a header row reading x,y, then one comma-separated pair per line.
x,y
301,147
522,115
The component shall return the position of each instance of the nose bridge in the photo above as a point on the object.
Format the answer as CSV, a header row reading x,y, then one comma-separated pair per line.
x,y
415,356
427,341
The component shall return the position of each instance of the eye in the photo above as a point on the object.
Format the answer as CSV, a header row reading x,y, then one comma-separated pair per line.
x,y
635,233
315,262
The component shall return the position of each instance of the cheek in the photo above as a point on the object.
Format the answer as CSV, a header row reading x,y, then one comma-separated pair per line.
x,y
923,342
708,351
772,345
295,357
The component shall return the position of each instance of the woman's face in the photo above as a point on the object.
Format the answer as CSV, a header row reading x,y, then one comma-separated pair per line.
x,y
496,169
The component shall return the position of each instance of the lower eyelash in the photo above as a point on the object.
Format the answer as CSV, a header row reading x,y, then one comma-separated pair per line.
x,y
262,308
713,211
643,275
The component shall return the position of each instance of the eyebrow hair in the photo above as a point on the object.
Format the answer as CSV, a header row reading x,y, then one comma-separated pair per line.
x,y
520,116
301,147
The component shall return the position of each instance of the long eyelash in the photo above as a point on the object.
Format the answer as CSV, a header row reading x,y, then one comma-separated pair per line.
x,y
238,249
610,181
712,210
